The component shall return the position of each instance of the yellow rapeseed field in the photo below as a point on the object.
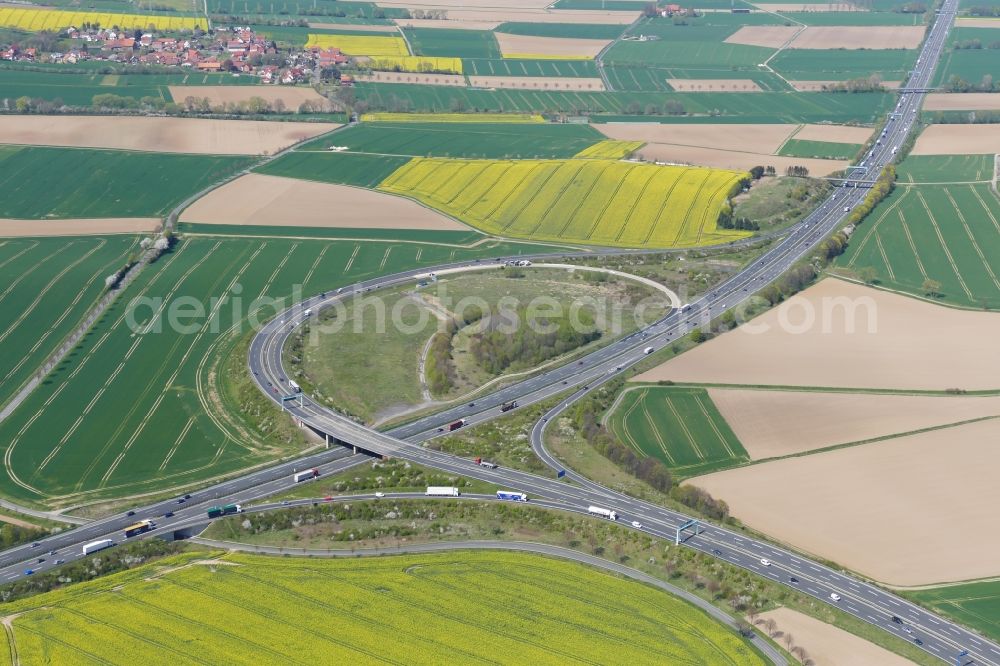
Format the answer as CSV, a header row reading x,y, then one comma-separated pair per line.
x,y
452,118
443,608
36,20
416,64
609,149
361,45
596,201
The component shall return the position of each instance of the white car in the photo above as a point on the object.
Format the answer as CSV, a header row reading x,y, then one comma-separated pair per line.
x,y
766,562
636,524
847,208
834,596
380,494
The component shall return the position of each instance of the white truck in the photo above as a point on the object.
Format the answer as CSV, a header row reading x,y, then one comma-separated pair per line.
x,y
647,350
306,475
294,386
95,546
307,313
603,513
442,491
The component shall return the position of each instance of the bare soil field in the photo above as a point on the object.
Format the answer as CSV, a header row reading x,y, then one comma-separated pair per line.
x,y
733,159
292,96
778,423
169,135
828,645
972,22
714,85
256,199
537,82
762,138
768,36
834,133
807,7
817,86
871,508
962,102
549,46
958,140
354,27
499,15
859,37
447,24
410,77
467,4
113,225
869,339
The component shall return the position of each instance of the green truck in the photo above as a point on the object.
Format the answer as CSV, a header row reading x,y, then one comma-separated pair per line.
x,y
217,511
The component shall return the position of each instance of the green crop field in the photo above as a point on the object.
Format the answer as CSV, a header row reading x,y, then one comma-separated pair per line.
x,y
136,406
699,46
680,426
48,284
79,87
463,607
765,107
565,30
595,201
517,67
457,43
843,64
945,168
42,182
975,605
822,149
343,168
491,140
948,234
970,64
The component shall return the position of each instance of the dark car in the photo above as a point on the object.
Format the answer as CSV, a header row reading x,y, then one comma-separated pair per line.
x,y
472,404
181,500
41,559
35,545
130,513
187,497
716,552
897,619
793,579
168,514
28,572
918,641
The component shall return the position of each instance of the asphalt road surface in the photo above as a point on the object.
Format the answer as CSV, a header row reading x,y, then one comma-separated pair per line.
x,y
867,602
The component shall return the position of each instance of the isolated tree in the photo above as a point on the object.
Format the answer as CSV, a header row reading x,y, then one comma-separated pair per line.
x,y
789,641
868,274
770,625
931,288
697,336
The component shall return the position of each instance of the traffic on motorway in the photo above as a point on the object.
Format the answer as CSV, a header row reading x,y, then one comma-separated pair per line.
x,y
865,601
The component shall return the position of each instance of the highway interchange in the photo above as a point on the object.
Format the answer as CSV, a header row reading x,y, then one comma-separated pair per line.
x,y
867,602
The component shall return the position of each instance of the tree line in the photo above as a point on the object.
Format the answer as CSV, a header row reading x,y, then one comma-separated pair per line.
x,y
532,341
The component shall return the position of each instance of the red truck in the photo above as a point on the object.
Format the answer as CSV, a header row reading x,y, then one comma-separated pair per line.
x,y
456,425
